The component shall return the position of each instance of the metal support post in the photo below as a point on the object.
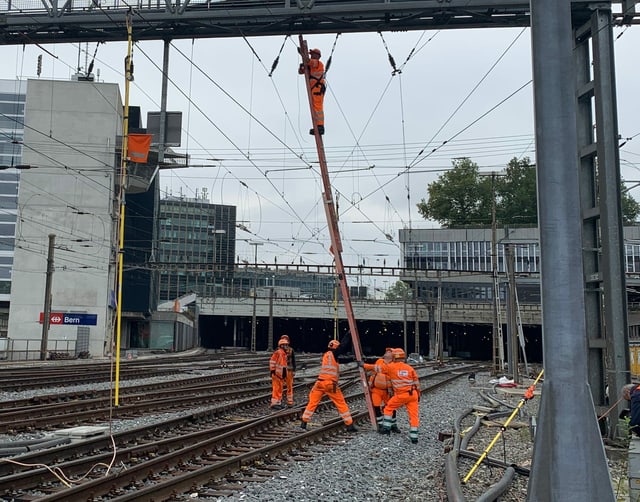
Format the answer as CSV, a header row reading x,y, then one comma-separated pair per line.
x,y
47,299
567,426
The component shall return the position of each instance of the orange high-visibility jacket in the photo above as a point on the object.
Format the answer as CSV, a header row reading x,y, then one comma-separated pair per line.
x,y
379,378
403,377
278,362
330,369
316,72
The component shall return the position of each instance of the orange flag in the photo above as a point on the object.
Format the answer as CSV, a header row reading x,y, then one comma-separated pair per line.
x,y
139,145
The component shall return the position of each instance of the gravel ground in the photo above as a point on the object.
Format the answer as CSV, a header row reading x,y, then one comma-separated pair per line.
x,y
371,467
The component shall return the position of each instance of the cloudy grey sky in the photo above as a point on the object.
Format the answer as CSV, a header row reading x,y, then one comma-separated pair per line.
x,y
459,94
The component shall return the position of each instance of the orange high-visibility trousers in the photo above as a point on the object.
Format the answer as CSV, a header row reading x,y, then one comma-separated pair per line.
x,y
404,399
317,100
289,385
398,400
277,385
333,392
378,396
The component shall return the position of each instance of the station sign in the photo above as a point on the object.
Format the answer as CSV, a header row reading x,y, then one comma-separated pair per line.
x,y
71,318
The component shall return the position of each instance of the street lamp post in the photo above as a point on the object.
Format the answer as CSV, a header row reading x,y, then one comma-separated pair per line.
x,y
255,293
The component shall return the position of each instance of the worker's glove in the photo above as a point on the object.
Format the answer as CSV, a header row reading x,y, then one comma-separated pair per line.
x,y
360,364
273,372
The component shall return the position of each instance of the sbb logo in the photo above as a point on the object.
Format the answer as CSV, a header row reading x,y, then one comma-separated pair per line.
x,y
55,319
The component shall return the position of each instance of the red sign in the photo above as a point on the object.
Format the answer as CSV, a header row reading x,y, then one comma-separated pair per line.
x,y
54,317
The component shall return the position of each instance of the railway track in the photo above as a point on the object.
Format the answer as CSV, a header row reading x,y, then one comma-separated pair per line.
x,y
200,450
65,373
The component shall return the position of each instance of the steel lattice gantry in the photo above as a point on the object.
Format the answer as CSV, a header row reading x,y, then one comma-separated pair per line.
x,y
584,298
63,21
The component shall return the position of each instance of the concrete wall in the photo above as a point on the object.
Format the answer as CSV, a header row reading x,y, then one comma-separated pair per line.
x,y
70,142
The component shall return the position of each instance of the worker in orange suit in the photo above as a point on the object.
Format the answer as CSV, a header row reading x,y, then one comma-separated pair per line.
x,y
291,368
327,385
406,392
380,387
318,87
278,368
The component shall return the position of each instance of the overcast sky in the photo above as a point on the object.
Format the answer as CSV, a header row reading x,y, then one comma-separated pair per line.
x,y
460,93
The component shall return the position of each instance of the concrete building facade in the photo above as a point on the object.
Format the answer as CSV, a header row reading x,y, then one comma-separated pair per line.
x,y
12,104
68,212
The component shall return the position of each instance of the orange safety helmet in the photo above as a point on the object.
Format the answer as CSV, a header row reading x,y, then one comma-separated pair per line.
x,y
398,354
334,344
316,51
284,340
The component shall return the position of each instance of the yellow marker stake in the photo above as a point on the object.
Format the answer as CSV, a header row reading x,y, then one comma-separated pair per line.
x,y
527,395
123,177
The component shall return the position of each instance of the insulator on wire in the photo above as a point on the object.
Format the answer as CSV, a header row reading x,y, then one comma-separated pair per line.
x,y
393,65
274,65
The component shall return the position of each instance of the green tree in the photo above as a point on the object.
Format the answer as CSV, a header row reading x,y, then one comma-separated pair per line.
x,y
460,197
630,207
516,201
399,291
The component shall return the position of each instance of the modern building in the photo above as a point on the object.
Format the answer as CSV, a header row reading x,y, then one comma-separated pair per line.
x,y
459,262
12,104
197,245
67,227
67,234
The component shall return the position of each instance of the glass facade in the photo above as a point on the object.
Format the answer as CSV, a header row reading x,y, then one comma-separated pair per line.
x,y
196,247
12,105
470,255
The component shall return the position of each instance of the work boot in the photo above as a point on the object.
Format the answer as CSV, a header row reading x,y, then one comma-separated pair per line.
x,y
385,431
414,441
278,407
312,132
352,427
303,425
394,428
381,428
321,129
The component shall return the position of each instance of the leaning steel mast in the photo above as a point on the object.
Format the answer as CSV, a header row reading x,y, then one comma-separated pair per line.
x,y
334,232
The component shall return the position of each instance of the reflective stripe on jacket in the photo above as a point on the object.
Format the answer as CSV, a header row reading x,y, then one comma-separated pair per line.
x,y
403,377
330,369
278,362
378,379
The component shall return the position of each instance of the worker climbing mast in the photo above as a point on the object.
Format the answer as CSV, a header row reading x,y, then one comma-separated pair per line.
x,y
313,71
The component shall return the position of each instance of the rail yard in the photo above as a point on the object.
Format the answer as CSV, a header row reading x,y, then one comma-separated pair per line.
x,y
199,426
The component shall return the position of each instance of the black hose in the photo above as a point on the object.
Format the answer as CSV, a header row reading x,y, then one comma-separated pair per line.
x,y
454,489
489,399
467,437
499,488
